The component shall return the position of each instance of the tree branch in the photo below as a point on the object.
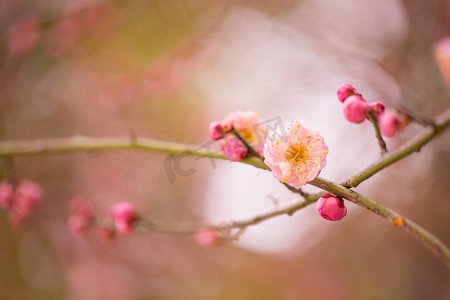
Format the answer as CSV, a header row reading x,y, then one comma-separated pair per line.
x,y
145,225
424,236
413,145
81,143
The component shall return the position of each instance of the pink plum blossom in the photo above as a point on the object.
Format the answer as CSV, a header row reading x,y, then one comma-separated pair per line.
x,y
233,148
27,196
241,120
124,215
331,208
216,130
298,157
207,237
345,91
355,109
249,127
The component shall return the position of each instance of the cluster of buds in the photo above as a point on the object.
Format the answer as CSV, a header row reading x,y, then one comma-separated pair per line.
x,y
124,216
244,123
356,110
82,218
20,200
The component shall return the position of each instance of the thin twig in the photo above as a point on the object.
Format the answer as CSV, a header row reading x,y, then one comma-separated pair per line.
x,y
145,225
415,116
381,142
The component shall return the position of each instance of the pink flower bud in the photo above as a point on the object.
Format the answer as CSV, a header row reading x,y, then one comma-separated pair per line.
x,y
377,108
28,194
29,189
124,216
216,131
207,238
6,195
331,208
345,91
355,109
390,123
233,148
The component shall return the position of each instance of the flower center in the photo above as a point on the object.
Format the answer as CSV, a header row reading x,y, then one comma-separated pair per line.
x,y
246,133
297,154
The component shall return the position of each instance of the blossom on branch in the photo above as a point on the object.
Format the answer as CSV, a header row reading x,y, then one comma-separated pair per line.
x,y
247,125
297,158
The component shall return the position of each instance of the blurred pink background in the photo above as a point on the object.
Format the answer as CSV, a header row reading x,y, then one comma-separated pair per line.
x,y
165,70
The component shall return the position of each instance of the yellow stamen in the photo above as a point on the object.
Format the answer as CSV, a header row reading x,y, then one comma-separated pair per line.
x,y
297,154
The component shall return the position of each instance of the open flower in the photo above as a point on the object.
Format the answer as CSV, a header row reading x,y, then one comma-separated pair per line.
x,y
298,157
249,127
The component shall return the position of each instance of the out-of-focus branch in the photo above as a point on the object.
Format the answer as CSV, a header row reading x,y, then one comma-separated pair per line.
x,y
146,225
80,143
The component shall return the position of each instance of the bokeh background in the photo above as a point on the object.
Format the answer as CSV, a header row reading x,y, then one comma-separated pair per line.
x,y
165,69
